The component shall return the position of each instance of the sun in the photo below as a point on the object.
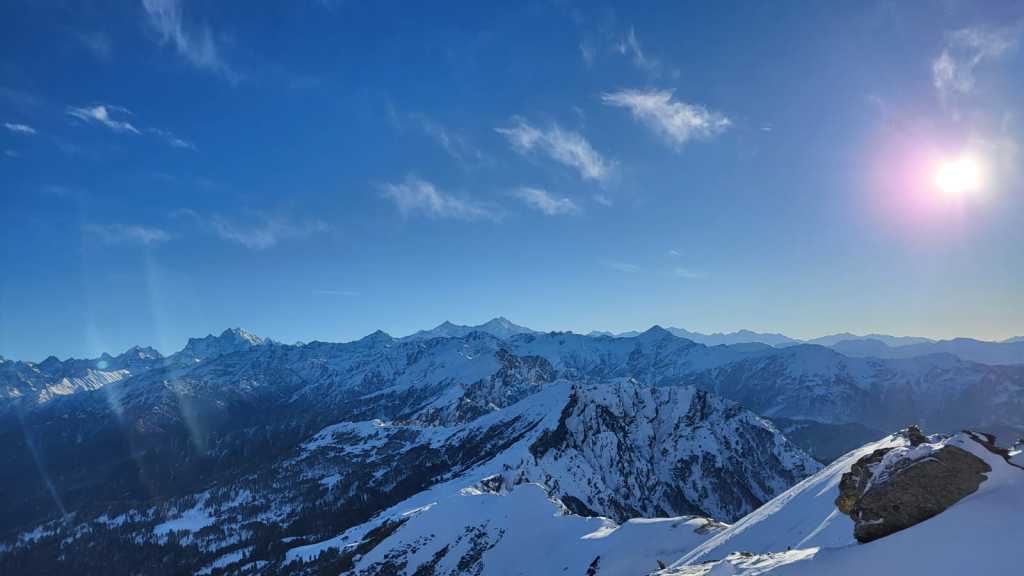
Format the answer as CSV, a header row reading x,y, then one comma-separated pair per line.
x,y
959,177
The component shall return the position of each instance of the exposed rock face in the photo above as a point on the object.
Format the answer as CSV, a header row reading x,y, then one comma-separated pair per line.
x,y
895,488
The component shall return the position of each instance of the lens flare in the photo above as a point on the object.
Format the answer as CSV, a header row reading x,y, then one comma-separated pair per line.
x,y
961,176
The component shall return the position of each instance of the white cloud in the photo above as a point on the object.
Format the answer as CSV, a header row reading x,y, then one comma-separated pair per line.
x,y
113,117
623,267
104,115
258,232
674,253
266,233
118,234
415,195
564,146
677,121
19,128
452,142
172,139
350,293
631,45
195,44
688,274
587,52
953,69
543,201
602,199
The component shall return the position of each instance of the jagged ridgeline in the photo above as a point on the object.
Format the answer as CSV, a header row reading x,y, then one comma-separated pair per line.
x,y
241,454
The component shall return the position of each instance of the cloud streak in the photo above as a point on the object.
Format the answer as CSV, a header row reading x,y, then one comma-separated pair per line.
x,y
194,43
113,117
171,139
19,128
104,115
563,146
348,293
630,46
258,233
544,202
686,273
678,122
128,234
624,267
266,233
451,141
98,43
419,196
953,69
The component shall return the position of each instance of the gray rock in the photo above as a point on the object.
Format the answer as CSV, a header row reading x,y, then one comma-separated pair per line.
x,y
885,495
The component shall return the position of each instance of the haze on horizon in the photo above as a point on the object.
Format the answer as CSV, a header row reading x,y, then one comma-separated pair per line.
x,y
322,170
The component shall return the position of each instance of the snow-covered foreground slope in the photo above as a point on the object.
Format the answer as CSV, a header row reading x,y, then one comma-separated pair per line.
x,y
980,534
803,516
508,530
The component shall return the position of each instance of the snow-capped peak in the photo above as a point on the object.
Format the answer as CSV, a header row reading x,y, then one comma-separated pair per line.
x,y
499,327
230,340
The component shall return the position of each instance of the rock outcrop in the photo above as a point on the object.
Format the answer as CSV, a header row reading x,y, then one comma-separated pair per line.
x,y
895,488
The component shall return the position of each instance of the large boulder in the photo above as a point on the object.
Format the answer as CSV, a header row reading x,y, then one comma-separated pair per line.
x,y
895,488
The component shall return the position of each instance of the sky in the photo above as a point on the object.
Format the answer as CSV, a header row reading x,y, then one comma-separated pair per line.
x,y
319,170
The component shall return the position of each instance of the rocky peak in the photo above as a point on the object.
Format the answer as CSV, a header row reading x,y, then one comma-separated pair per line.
x,y
230,340
655,332
377,337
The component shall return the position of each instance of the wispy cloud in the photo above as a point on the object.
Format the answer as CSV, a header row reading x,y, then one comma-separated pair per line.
x,y
546,203
104,114
415,195
953,69
564,146
98,43
134,234
266,232
454,143
195,43
114,117
677,121
587,52
19,128
674,253
602,199
629,45
680,272
347,293
258,231
622,267
171,139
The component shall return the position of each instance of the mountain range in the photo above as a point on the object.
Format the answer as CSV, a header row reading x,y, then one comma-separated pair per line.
x,y
443,452
1009,351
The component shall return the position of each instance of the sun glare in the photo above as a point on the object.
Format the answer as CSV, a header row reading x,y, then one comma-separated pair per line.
x,y
959,176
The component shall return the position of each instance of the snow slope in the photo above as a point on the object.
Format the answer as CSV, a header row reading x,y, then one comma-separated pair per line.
x,y
520,531
803,516
980,534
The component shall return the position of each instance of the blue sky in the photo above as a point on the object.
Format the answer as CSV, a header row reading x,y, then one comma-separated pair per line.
x,y
319,170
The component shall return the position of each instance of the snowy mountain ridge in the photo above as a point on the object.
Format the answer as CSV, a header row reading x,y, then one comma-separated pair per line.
x,y
568,453
237,450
